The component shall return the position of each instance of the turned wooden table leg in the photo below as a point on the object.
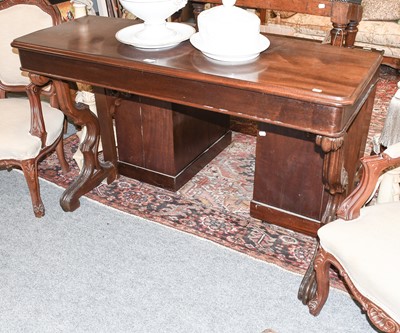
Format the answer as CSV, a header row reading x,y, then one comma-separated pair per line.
x,y
93,170
345,17
338,34
351,34
355,16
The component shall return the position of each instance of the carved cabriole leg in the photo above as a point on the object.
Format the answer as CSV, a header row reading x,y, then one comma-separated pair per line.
x,y
93,170
31,176
322,263
335,183
308,285
321,268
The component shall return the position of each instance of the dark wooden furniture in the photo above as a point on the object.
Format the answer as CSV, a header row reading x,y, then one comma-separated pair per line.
x,y
162,143
345,15
313,101
365,250
30,128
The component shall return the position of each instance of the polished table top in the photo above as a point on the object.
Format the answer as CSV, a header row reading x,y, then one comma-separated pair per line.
x,y
329,82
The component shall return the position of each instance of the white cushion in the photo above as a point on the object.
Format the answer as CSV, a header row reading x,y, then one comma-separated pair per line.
x,y
368,248
15,140
393,151
17,21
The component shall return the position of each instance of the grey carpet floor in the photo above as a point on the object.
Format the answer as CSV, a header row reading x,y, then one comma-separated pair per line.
x,y
99,270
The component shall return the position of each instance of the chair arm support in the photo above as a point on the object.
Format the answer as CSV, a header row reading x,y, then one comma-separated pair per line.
x,y
33,91
372,167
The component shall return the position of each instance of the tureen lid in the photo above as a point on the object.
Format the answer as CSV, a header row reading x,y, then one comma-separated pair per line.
x,y
229,13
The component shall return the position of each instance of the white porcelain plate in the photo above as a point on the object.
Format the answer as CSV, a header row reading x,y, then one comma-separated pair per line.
x,y
128,36
241,56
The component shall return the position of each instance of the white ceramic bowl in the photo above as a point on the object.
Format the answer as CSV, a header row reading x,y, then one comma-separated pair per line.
x,y
154,14
153,11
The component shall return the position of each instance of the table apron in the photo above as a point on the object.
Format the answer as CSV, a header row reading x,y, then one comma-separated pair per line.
x,y
320,119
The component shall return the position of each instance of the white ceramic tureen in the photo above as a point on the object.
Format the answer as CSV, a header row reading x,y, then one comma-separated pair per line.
x,y
155,32
229,33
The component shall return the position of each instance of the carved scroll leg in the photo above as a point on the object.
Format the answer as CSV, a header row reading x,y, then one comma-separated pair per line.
x,y
308,285
335,182
321,267
93,170
29,169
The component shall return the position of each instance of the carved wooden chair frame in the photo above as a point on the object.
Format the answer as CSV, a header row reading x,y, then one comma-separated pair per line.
x,y
39,86
373,167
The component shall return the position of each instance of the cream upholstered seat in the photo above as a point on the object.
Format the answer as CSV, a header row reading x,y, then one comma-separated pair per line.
x,y
29,127
364,244
21,144
355,243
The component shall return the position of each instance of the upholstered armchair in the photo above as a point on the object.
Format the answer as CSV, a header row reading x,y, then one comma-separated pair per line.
x,y
31,126
364,244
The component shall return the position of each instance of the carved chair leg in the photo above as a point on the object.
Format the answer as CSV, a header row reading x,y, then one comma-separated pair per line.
x,y
321,267
61,156
29,168
308,284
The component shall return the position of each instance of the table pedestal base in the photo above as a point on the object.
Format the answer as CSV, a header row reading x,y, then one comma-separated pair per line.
x,y
301,178
165,144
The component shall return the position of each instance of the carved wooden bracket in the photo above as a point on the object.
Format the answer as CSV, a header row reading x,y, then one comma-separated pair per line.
x,y
119,96
334,175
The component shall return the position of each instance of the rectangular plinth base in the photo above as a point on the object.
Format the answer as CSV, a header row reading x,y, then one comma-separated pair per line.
x,y
284,218
175,182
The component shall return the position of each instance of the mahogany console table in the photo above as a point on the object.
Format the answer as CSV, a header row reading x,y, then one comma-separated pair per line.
x,y
313,103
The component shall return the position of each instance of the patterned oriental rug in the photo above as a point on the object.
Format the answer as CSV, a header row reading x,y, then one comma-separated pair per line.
x,y
215,203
